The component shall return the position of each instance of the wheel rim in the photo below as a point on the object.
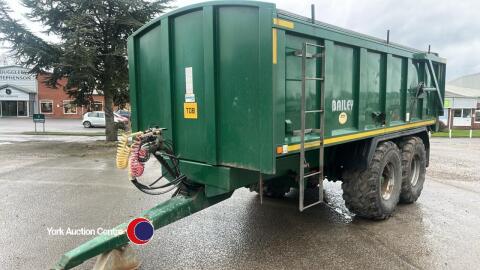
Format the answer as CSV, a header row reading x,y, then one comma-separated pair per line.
x,y
387,181
415,169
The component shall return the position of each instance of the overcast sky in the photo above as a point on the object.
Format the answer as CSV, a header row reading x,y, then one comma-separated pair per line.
x,y
451,27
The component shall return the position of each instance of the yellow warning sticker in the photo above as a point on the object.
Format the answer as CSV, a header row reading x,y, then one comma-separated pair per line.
x,y
190,110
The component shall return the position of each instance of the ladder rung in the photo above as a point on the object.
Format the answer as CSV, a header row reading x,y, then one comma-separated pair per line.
x,y
306,78
313,204
315,45
314,111
311,174
299,53
307,131
307,55
316,55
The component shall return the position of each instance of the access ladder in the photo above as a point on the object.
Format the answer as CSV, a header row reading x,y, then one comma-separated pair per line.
x,y
319,175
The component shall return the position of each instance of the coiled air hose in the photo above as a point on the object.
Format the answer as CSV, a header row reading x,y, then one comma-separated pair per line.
x,y
136,167
135,155
123,151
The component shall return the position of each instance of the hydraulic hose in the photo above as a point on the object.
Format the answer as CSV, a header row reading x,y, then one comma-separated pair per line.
x,y
135,155
136,167
123,150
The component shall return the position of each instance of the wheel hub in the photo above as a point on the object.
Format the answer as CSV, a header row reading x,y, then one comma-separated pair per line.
x,y
415,170
387,181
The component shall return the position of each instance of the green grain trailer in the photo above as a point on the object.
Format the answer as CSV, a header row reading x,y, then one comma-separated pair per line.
x,y
248,95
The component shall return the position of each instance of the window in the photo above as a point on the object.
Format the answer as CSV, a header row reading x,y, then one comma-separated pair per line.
x,y
463,113
457,113
97,106
69,107
96,114
46,106
477,116
444,117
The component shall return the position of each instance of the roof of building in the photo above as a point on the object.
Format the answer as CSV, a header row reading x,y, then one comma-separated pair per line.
x,y
465,86
468,81
17,87
14,66
457,91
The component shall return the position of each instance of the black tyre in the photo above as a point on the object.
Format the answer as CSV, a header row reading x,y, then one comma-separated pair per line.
x,y
87,124
374,193
275,188
273,191
414,161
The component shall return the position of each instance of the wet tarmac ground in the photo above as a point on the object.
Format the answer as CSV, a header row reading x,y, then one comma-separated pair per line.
x,y
47,185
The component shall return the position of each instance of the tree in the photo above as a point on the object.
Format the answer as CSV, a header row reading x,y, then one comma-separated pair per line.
x,y
92,52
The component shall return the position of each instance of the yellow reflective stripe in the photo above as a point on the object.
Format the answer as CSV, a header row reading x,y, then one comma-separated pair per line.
x,y
274,48
296,147
283,23
361,135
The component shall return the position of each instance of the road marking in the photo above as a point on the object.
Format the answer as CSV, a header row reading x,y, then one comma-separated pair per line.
x,y
77,184
54,167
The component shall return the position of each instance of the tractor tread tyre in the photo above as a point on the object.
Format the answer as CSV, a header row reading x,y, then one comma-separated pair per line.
x,y
411,147
362,188
271,192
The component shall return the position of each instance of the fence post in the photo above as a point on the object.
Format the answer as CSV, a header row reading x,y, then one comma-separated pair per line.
x,y
450,133
471,133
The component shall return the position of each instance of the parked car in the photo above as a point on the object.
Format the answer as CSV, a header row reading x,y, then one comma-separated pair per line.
x,y
97,119
123,113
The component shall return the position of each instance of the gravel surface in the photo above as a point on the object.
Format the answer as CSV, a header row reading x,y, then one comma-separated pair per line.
x,y
60,185
19,125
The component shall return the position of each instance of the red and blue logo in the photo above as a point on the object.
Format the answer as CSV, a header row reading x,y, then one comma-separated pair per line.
x,y
140,231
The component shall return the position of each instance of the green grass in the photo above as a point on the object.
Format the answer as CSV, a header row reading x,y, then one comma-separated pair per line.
x,y
457,134
61,133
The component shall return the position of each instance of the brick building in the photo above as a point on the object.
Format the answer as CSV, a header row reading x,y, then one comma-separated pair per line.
x,y
23,94
56,103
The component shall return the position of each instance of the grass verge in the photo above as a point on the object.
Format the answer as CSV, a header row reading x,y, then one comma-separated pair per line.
x,y
457,134
61,133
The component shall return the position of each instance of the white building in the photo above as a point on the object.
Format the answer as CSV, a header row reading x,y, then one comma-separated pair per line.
x,y
18,92
462,103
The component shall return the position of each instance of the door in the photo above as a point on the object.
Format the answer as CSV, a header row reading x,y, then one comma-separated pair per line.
x,y
101,119
95,119
189,100
22,108
92,117
9,108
